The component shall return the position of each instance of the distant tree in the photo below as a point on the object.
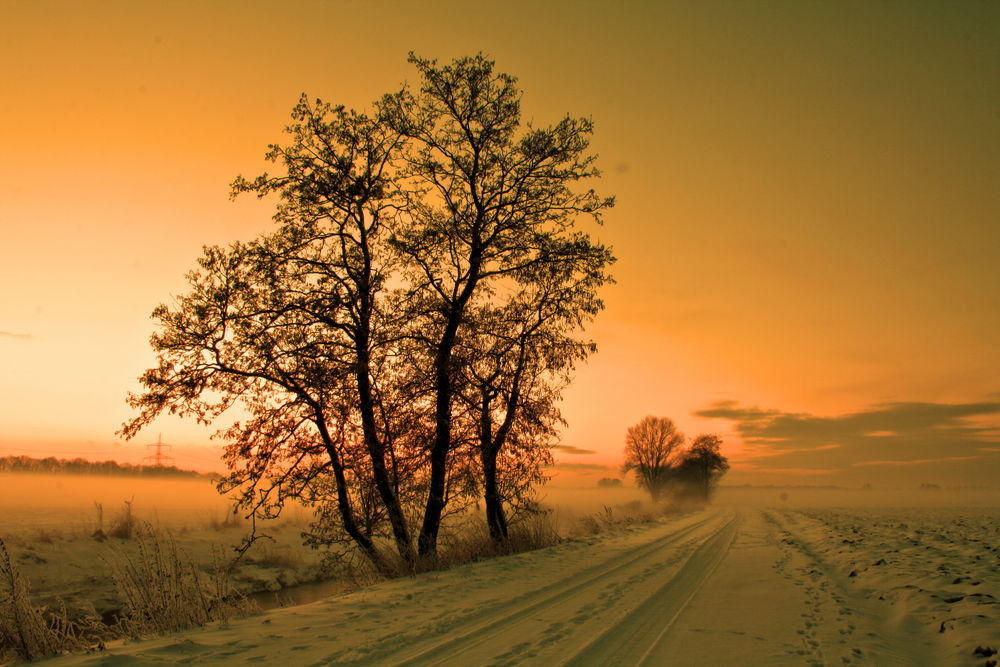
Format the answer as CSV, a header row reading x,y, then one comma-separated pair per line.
x,y
700,466
650,447
85,467
609,482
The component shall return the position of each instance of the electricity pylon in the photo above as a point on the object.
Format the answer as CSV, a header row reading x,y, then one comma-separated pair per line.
x,y
158,459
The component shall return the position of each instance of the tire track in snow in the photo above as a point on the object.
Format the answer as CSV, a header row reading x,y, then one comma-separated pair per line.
x,y
500,624
633,640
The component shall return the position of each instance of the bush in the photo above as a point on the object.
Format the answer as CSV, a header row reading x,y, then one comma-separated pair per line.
x,y
125,524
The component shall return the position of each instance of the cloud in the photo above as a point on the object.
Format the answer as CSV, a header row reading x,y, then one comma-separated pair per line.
x,y
799,472
8,334
888,434
583,466
945,459
570,449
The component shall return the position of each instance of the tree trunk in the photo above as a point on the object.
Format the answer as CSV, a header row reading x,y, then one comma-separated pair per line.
x,y
427,542
496,518
344,505
490,446
374,444
376,452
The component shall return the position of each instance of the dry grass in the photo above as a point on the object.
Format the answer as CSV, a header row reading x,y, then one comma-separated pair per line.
x,y
124,525
28,632
229,521
617,517
471,541
23,630
48,535
163,591
280,557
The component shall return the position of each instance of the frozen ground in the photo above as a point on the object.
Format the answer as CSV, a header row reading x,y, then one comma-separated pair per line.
x,y
748,586
931,576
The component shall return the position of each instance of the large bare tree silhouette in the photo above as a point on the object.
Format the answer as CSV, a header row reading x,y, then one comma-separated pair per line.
x,y
401,339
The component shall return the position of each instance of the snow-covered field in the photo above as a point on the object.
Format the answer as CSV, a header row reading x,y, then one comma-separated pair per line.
x,y
731,585
928,578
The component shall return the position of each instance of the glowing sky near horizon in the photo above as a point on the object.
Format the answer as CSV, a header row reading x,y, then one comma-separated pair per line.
x,y
808,219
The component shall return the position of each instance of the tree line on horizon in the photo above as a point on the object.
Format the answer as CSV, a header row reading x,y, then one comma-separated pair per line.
x,y
399,343
80,466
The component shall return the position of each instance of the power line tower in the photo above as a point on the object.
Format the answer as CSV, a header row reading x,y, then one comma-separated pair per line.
x,y
158,459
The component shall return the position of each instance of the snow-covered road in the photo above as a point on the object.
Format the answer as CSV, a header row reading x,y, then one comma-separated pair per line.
x,y
717,587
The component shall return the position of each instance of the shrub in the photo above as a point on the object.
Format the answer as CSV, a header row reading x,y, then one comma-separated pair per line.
x,y
125,524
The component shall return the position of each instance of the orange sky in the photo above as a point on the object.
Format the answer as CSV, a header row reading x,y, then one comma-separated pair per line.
x,y
809,196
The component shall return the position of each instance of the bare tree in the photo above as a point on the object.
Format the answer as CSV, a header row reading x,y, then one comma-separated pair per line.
x,y
650,448
516,362
231,339
491,201
293,325
339,205
424,253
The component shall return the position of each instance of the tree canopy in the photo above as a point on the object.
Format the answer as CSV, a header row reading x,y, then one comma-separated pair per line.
x,y
401,339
